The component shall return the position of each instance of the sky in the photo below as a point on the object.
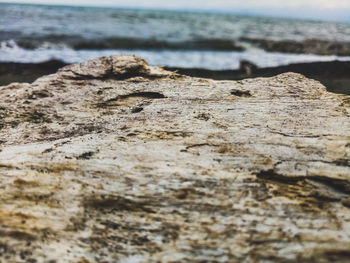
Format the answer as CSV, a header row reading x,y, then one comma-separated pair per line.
x,y
338,10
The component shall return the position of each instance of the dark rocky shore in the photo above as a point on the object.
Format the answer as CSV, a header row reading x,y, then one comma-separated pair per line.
x,y
311,46
334,75
27,72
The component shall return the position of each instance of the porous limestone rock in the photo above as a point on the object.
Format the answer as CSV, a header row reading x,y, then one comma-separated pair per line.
x,y
116,161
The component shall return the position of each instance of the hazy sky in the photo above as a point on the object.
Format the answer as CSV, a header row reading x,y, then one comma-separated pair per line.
x,y
319,9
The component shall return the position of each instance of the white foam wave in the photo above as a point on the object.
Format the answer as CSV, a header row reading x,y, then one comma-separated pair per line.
x,y
215,60
9,46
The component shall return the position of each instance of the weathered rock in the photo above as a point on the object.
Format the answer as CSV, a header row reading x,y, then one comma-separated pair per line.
x,y
115,160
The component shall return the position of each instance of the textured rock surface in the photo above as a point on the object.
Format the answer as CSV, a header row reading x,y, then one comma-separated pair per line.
x,y
112,160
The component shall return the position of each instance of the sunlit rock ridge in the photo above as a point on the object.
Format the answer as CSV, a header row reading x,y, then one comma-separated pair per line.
x,y
113,160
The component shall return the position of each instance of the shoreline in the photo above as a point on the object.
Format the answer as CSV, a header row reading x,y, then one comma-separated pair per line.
x,y
334,75
27,72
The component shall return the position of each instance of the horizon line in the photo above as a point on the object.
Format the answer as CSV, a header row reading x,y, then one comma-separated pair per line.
x,y
238,12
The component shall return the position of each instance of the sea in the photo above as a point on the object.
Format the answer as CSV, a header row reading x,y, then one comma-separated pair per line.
x,y
37,33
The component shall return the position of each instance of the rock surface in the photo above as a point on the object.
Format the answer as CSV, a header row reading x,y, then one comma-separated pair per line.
x,y
116,161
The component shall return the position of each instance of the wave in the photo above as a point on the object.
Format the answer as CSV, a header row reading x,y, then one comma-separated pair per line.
x,y
78,43
147,44
75,42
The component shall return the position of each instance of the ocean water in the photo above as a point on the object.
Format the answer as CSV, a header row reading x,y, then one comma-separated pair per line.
x,y
35,33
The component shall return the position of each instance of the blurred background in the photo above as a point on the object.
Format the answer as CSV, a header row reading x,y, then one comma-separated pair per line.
x,y
217,39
